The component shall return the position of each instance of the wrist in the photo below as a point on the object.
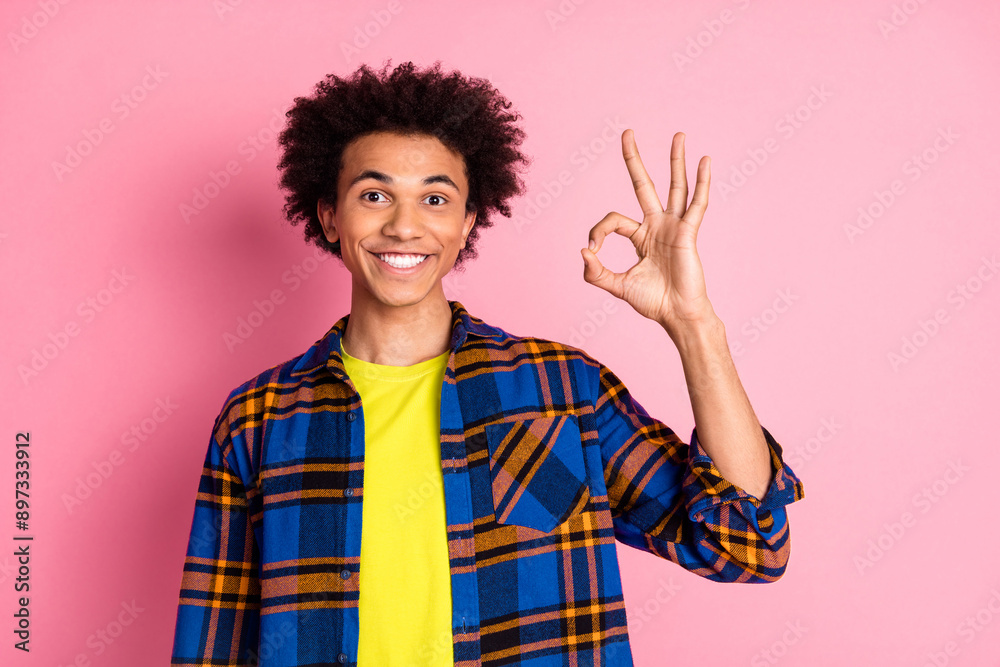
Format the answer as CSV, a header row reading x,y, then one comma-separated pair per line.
x,y
700,334
705,357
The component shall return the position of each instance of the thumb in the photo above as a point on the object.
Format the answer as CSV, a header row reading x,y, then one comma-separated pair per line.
x,y
596,274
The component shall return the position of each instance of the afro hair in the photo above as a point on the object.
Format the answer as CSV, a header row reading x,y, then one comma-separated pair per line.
x,y
468,115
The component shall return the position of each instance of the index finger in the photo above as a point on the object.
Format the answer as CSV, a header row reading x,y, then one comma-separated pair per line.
x,y
644,190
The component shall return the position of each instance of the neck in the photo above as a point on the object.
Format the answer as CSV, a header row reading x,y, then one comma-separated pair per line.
x,y
397,335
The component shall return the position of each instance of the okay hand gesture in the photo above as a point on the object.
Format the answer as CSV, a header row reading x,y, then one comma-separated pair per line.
x,y
667,284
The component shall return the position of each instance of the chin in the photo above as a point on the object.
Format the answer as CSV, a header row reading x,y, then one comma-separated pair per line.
x,y
399,298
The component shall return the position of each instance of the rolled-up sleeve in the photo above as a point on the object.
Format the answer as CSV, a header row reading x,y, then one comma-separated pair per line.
x,y
668,498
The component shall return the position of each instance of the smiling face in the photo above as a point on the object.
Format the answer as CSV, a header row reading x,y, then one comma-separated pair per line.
x,y
400,216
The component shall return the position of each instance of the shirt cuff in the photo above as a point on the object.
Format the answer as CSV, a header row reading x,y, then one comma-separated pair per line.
x,y
706,488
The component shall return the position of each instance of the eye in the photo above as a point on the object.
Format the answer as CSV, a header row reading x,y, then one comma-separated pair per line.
x,y
436,200
372,197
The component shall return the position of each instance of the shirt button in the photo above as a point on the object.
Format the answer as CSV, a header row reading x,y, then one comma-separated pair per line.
x,y
345,574
342,657
348,492
351,417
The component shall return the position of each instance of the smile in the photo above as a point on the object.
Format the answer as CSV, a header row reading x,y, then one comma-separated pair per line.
x,y
398,261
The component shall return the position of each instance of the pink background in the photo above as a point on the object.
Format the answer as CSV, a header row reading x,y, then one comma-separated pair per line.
x,y
879,573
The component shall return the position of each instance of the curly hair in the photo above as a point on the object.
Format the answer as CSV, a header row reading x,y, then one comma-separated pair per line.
x,y
468,115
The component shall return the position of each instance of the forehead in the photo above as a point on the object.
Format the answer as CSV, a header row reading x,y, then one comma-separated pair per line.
x,y
402,156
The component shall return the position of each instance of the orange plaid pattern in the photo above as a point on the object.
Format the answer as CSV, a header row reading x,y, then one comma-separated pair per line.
x,y
546,460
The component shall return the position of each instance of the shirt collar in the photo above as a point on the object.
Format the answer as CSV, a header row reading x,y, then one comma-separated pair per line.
x,y
326,351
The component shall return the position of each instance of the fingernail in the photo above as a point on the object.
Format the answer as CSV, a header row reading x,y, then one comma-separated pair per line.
x,y
593,244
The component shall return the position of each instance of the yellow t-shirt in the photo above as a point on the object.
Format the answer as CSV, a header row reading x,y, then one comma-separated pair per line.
x,y
404,603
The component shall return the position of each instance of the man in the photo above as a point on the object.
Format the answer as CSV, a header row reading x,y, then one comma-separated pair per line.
x,y
423,488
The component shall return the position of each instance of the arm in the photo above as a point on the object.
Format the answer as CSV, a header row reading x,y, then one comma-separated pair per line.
x,y
218,616
724,419
667,285
725,526
670,499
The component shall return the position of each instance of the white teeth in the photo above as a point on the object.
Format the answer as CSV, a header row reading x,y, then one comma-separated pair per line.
x,y
402,261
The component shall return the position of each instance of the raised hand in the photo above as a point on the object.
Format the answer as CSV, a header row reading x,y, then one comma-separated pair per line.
x,y
667,284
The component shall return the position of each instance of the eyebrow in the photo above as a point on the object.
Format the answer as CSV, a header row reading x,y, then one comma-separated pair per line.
x,y
385,178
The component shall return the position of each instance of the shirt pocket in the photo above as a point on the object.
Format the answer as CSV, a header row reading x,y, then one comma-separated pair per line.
x,y
537,473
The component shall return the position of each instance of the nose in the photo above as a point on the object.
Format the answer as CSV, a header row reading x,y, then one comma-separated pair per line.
x,y
404,222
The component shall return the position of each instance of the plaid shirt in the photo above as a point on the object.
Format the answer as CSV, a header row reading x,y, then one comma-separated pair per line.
x,y
546,460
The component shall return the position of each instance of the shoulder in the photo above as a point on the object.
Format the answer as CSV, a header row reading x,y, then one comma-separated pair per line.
x,y
251,398
549,362
502,345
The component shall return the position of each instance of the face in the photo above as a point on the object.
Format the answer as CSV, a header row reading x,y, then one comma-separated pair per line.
x,y
400,216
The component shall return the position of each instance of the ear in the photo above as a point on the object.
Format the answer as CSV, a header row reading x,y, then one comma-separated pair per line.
x,y
470,220
327,218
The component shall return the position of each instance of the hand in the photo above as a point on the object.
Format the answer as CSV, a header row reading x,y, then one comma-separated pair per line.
x,y
668,283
